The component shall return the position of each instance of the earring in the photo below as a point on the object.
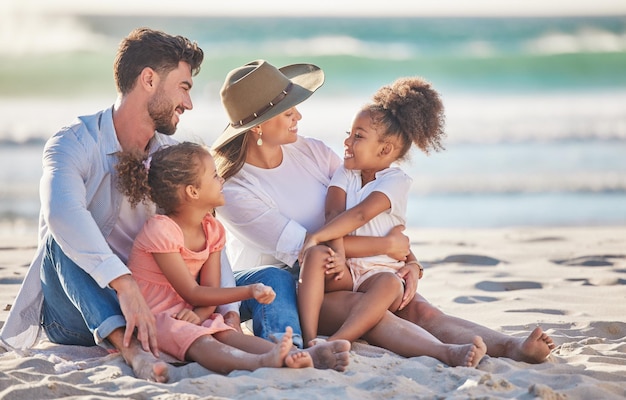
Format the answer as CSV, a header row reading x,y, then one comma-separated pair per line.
x,y
259,141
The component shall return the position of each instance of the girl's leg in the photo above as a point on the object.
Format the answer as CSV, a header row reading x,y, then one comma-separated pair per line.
x,y
381,292
398,335
243,352
312,284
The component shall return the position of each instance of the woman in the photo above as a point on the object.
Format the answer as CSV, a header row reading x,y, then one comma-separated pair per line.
x,y
275,191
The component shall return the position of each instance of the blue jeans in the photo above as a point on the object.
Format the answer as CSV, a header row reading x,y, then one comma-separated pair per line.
x,y
269,321
76,310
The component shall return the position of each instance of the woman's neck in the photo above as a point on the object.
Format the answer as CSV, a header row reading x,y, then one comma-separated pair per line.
x,y
265,156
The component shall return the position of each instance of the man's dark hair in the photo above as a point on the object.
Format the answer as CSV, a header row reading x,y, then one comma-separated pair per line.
x,y
145,47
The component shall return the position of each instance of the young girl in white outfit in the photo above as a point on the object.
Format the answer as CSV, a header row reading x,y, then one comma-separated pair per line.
x,y
368,197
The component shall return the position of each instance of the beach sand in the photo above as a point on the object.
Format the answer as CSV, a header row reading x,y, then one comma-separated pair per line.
x,y
570,281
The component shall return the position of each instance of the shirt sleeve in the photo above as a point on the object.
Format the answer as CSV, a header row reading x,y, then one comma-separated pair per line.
x,y
67,166
227,279
394,184
160,235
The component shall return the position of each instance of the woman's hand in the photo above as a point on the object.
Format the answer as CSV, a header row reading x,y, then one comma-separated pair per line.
x,y
411,273
308,243
262,293
399,245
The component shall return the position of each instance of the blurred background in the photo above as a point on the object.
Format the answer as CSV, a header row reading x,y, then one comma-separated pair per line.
x,y
535,94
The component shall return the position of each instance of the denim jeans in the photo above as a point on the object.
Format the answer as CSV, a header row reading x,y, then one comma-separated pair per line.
x,y
269,321
76,310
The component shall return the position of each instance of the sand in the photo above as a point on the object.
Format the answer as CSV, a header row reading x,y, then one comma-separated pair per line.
x,y
570,281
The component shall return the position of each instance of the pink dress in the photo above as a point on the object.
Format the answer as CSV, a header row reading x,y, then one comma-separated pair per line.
x,y
162,235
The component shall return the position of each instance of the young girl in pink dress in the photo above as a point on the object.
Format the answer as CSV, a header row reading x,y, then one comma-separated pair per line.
x,y
176,263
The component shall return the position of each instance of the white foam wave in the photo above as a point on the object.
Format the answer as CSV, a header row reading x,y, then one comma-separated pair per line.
x,y
28,33
587,40
330,45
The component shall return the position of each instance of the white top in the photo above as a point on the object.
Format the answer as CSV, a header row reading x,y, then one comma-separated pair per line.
x,y
393,183
269,211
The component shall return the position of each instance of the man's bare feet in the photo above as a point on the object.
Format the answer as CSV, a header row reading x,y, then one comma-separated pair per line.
x,y
146,366
534,349
330,355
466,355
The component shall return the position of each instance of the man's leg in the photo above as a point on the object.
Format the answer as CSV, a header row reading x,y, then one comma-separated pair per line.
x,y
271,320
76,310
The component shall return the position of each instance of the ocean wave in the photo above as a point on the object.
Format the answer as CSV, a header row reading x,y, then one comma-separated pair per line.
x,y
587,40
28,33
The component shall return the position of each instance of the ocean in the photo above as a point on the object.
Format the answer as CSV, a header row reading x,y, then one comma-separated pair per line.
x,y
535,107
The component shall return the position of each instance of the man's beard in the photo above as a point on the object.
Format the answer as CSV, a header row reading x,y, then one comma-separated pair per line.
x,y
162,114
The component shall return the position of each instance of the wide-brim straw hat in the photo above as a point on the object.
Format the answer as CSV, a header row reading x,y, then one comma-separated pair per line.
x,y
258,91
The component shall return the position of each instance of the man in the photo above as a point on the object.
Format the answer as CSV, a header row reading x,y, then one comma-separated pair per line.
x,y
78,286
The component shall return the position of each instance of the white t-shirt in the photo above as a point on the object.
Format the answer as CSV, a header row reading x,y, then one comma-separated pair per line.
x,y
269,211
393,183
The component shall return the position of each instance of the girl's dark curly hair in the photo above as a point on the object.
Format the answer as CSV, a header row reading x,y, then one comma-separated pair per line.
x,y
411,110
160,177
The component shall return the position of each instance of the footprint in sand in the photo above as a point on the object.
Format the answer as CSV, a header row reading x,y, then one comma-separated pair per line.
x,y
491,286
590,261
470,259
475,299
540,311
602,281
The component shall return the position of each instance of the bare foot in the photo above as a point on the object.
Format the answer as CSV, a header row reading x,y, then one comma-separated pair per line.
x,y
146,366
534,349
298,359
466,355
316,341
331,355
278,355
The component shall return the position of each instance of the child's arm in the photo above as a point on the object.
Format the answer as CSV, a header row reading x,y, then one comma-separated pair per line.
x,y
175,270
210,276
335,205
349,220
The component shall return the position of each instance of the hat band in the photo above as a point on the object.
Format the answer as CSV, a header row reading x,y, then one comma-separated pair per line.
x,y
263,110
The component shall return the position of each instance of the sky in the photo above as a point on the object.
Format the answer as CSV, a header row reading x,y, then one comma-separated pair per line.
x,y
324,7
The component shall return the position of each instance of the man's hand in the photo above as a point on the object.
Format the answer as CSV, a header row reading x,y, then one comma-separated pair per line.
x,y
137,313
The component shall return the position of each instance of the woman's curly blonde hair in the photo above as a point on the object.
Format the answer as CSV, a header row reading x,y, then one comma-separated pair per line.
x,y
411,110
160,177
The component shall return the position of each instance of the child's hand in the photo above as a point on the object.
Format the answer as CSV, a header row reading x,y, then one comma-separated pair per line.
x,y
263,294
399,245
188,315
335,264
